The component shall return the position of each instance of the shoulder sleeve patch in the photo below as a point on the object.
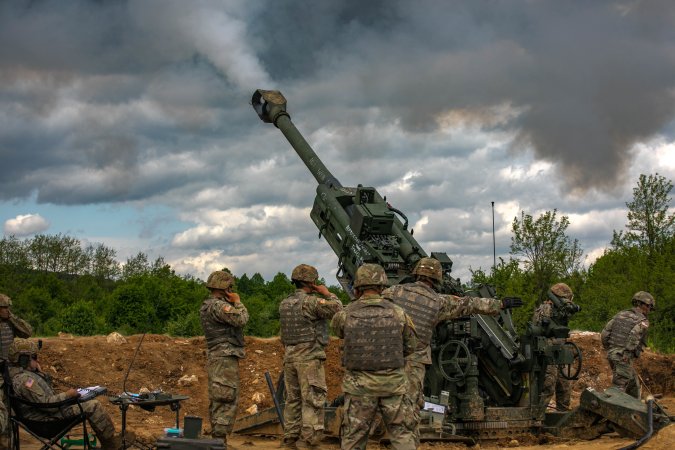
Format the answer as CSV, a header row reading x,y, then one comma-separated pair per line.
x,y
29,383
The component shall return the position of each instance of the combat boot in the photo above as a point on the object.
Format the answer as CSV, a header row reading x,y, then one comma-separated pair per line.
x,y
288,443
300,444
227,446
116,443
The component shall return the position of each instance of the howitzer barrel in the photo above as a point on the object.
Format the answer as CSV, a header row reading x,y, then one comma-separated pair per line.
x,y
271,108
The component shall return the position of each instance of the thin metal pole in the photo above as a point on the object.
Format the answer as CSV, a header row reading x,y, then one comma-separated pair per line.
x,y
494,245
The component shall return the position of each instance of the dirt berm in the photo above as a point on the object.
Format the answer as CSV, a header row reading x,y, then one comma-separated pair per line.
x,y
177,366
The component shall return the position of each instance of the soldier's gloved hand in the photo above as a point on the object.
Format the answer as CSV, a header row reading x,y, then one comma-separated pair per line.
x,y
512,302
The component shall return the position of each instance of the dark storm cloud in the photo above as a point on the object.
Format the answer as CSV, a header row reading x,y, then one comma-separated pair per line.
x,y
592,78
96,96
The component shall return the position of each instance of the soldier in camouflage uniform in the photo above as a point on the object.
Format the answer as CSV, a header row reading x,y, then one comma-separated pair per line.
x,y
31,385
624,338
10,326
378,335
223,317
304,333
427,308
553,382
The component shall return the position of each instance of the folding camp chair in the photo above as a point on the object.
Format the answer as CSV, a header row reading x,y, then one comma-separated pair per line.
x,y
48,432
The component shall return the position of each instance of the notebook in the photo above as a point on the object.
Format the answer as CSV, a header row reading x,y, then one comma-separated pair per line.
x,y
90,392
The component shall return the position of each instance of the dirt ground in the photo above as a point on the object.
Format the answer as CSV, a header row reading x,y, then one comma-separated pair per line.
x,y
177,366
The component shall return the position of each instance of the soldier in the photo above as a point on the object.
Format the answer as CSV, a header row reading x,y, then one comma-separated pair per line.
x,y
10,326
304,333
223,317
624,338
427,308
378,335
553,382
32,385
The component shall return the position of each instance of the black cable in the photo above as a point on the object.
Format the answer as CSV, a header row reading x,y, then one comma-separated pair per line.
x,y
138,347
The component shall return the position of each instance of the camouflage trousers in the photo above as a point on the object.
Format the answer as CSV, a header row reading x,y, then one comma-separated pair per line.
x,y
4,417
556,384
359,414
624,376
4,407
223,375
98,418
415,372
305,399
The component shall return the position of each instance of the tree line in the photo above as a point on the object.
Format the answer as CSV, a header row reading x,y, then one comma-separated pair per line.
x,y
59,284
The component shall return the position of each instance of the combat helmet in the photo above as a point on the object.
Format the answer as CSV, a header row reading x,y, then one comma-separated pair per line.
x,y
562,290
370,275
304,272
644,297
21,347
5,301
429,267
220,280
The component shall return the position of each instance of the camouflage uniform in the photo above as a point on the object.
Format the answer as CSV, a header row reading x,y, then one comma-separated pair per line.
x,y
223,324
380,389
624,337
11,327
4,417
553,382
304,333
427,308
33,386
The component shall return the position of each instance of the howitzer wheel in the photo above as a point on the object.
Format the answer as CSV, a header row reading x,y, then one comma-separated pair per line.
x,y
454,360
572,370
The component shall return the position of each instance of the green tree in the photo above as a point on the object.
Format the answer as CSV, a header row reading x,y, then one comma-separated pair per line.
x,y
36,305
244,285
280,287
102,263
649,224
549,254
13,252
131,310
136,265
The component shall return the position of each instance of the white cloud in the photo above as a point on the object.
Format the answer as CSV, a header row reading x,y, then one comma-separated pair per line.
x,y
25,225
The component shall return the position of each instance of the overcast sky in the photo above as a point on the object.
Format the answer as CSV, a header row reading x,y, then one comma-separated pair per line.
x,y
129,123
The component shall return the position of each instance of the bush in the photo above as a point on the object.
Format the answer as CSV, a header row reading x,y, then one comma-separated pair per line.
x,y
187,326
80,318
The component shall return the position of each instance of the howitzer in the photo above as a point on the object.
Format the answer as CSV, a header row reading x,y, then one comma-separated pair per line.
x,y
358,223
485,380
